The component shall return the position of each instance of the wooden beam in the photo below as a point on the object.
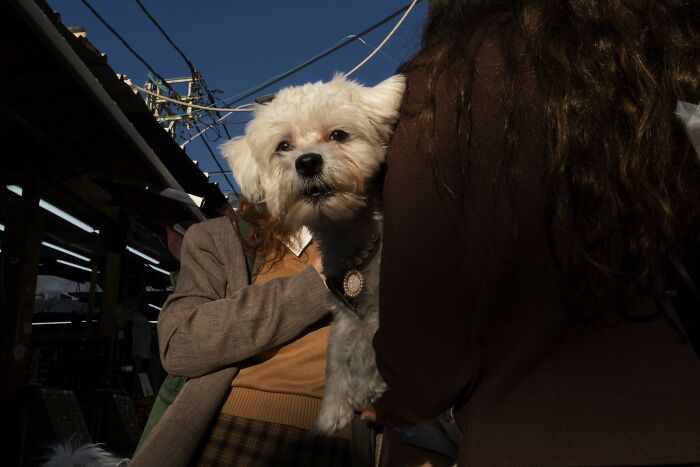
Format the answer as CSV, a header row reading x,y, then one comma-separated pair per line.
x,y
110,295
115,247
20,267
91,298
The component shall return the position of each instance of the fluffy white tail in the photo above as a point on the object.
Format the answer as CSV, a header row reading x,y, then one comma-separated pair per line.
x,y
66,454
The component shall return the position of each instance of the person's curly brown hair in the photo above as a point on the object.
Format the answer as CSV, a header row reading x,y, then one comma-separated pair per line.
x,y
623,180
263,234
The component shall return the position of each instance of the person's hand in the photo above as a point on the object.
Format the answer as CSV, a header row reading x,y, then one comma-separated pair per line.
x,y
368,414
388,410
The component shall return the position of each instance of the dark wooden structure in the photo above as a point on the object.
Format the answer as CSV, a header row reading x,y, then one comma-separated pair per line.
x,y
76,137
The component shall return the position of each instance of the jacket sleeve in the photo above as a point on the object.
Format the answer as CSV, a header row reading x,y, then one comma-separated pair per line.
x,y
202,327
448,243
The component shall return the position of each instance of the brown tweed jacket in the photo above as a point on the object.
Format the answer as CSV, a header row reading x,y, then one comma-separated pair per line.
x,y
211,322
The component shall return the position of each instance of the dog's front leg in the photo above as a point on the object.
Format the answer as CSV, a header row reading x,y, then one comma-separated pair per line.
x,y
336,410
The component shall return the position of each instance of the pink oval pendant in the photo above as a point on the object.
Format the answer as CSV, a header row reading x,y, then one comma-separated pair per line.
x,y
353,283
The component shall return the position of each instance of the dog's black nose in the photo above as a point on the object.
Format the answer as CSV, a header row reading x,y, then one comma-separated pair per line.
x,y
309,165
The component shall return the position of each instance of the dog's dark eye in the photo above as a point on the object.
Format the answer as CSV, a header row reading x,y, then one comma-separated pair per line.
x,y
338,135
284,146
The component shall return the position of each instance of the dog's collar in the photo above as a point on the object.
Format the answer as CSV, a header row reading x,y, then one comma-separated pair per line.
x,y
335,285
351,283
365,255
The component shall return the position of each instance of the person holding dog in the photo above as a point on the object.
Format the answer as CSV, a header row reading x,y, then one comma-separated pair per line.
x,y
539,200
254,354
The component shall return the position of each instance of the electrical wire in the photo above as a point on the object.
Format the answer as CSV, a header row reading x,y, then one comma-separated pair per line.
x,y
406,10
126,44
241,122
218,122
308,62
196,76
216,160
318,57
167,37
212,100
189,104
386,55
386,39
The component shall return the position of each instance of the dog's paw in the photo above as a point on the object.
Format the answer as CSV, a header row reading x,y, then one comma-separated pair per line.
x,y
333,417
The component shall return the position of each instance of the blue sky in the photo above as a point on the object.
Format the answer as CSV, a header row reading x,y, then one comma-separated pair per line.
x,y
238,45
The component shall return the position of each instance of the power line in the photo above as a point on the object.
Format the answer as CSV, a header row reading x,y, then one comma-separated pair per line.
x,y
152,70
126,44
217,122
239,97
318,57
386,39
216,160
167,37
213,116
196,76
386,55
342,44
406,10
189,104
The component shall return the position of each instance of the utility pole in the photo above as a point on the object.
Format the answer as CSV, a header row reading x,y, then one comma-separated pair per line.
x,y
176,120
180,120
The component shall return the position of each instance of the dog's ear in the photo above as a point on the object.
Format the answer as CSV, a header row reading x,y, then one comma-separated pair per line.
x,y
381,103
245,168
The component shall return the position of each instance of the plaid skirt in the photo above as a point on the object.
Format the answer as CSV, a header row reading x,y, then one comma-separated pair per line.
x,y
242,442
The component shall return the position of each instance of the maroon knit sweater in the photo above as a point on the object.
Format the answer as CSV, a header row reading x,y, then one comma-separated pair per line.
x,y
471,309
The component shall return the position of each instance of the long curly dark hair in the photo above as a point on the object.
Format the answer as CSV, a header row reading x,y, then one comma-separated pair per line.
x,y
263,235
623,180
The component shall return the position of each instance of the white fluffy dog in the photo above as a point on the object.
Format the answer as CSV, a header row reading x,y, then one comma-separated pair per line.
x,y
314,155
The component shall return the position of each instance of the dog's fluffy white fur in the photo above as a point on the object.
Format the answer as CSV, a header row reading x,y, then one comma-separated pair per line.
x,y
68,454
342,128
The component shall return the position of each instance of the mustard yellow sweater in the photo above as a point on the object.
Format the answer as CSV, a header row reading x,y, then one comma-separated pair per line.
x,y
284,385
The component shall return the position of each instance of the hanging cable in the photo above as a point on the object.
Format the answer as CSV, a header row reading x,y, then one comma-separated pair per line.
x,y
340,45
167,37
386,39
309,62
163,82
189,104
126,44
298,68
216,160
386,55
196,76
246,107
218,122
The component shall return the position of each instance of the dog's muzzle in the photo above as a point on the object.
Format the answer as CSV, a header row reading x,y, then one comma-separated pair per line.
x,y
309,165
317,192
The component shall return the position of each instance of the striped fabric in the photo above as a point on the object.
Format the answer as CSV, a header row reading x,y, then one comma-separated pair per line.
x,y
242,442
